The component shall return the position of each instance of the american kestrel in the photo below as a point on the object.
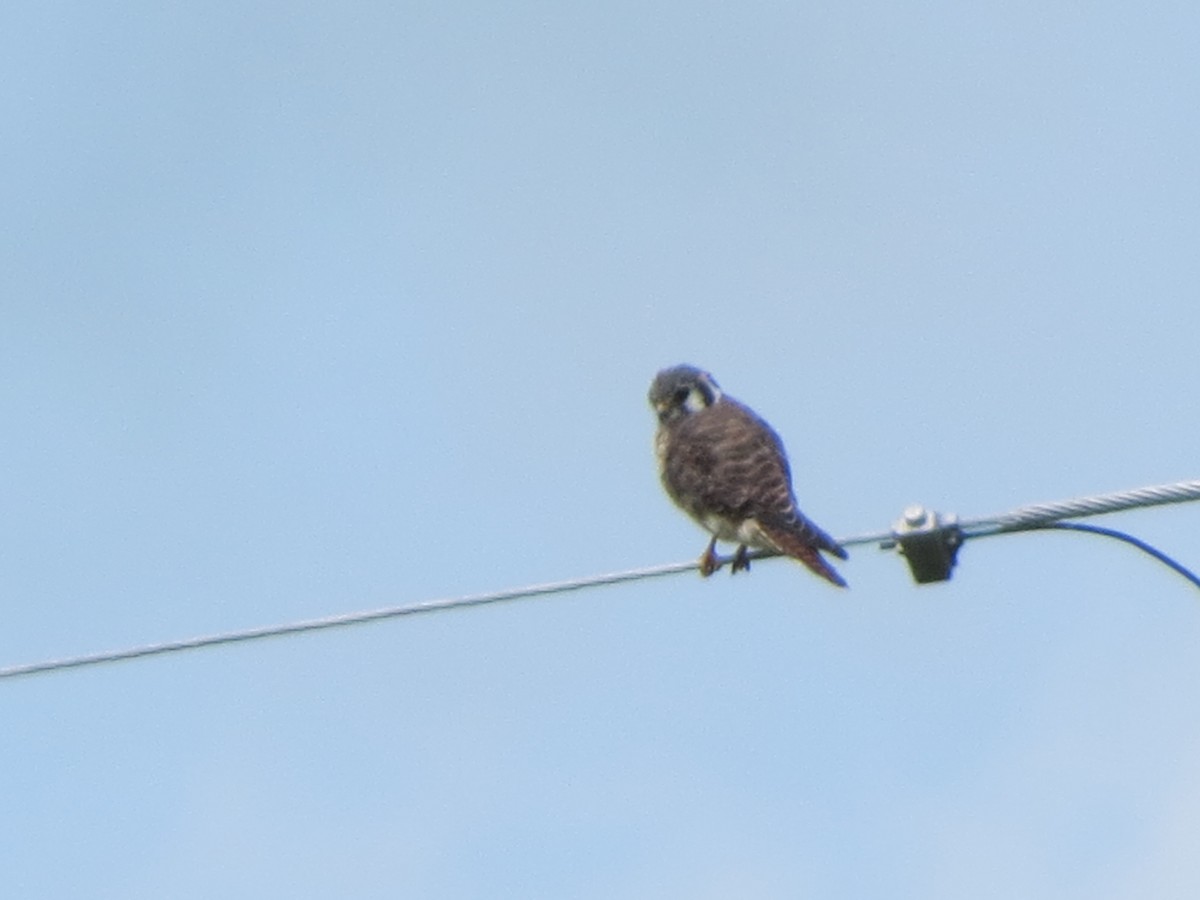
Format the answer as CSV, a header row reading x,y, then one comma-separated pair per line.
x,y
727,469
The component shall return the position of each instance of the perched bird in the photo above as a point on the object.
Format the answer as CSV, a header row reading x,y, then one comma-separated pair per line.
x,y
727,469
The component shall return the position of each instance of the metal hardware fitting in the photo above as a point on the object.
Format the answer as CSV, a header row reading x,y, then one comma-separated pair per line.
x,y
929,542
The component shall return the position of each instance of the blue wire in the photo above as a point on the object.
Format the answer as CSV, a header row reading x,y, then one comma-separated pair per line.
x,y
1128,539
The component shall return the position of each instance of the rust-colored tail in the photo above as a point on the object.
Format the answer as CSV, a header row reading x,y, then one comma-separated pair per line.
x,y
797,543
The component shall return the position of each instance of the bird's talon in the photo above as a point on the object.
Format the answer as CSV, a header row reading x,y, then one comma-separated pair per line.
x,y
708,560
741,561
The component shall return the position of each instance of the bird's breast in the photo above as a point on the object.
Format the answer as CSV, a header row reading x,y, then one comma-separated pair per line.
x,y
661,440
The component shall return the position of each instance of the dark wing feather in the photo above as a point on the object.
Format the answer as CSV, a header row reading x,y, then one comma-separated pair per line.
x,y
806,529
795,545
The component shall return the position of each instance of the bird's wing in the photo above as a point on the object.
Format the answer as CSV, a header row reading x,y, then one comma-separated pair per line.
x,y
798,545
730,462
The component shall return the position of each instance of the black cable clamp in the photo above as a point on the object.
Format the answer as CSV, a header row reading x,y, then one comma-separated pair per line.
x,y
929,542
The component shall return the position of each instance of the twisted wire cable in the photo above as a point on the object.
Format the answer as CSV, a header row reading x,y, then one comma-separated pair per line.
x,y
1027,517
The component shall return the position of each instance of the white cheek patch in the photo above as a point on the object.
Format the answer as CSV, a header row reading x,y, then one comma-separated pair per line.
x,y
697,400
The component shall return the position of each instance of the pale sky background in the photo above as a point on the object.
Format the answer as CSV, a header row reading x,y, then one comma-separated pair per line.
x,y
310,308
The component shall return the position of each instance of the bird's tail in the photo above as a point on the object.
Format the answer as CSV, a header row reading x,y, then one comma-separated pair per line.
x,y
804,541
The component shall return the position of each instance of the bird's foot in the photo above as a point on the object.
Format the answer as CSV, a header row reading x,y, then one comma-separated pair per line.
x,y
708,559
741,561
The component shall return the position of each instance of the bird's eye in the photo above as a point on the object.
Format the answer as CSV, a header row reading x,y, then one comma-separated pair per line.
x,y
681,395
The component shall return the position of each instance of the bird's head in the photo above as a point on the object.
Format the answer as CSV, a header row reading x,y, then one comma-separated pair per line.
x,y
681,391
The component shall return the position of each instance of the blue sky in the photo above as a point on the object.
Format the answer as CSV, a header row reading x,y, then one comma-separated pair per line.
x,y
311,308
